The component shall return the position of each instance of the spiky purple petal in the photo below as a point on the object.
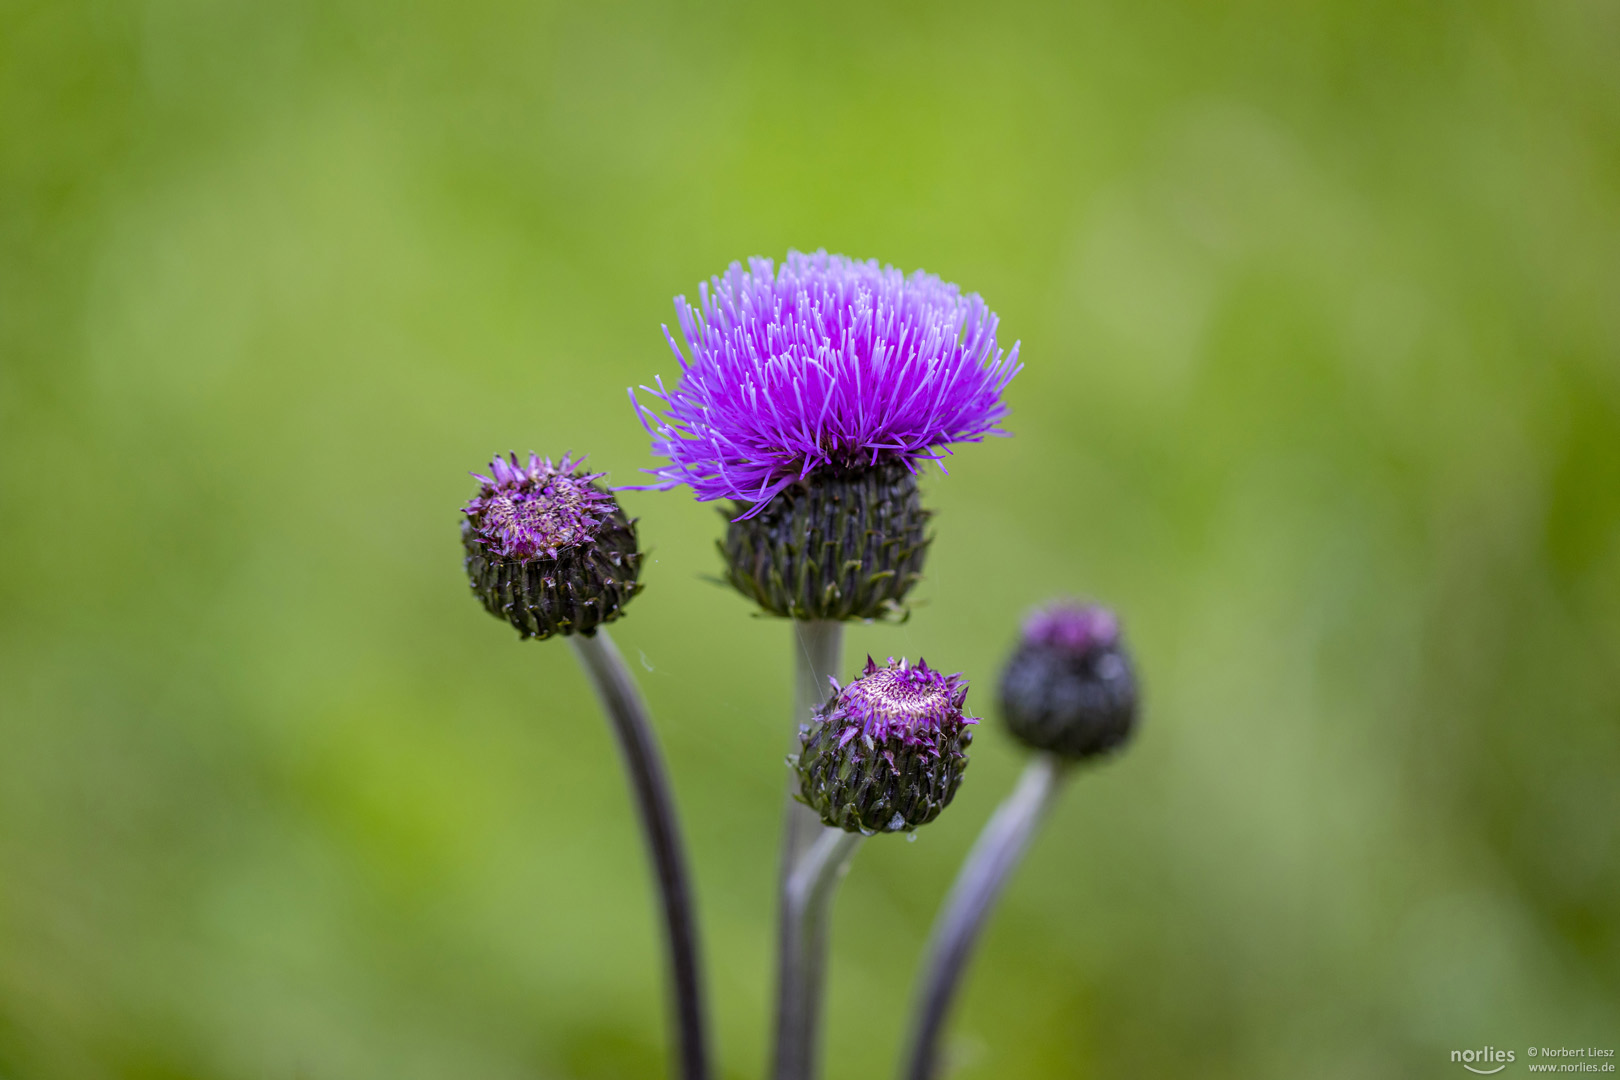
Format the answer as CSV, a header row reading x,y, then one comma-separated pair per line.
x,y
823,362
913,703
537,510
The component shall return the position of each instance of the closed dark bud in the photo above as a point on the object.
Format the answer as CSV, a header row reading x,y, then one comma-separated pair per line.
x,y
1070,687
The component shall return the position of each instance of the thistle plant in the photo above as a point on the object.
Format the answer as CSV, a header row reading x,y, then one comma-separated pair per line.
x,y
884,754
809,398
549,550
1068,692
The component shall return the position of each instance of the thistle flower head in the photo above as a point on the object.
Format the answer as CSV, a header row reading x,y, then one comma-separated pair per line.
x,y
547,547
887,751
539,509
823,364
1069,687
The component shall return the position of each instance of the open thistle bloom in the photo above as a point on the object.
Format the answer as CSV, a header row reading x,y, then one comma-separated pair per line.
x,y
1069,687
811,393
548,548
886,752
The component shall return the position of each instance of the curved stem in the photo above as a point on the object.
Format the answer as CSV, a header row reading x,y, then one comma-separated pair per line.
x,y
995,854
806,911
655,804
817,649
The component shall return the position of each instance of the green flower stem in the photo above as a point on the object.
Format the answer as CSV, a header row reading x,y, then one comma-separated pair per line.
x,y
649,780
806,910
817,650
995,854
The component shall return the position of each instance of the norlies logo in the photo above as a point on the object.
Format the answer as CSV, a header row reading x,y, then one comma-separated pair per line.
x,y
1481,1061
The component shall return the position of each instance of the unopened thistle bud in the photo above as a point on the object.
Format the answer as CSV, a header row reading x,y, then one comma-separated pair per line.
x,y
886,752
548,548
810,398
1069,687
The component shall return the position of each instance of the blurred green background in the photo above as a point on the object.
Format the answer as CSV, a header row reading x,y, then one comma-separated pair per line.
x,y
1321,310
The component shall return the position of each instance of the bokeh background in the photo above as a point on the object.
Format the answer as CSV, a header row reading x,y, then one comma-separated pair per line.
x,y
1321,310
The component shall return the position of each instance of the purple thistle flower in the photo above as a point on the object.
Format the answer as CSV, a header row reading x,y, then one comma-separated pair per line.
x,y
539,509
826,363
915,705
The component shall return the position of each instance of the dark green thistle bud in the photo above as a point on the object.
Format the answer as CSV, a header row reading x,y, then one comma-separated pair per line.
x,y
1069,688
886,753
835,545
548,548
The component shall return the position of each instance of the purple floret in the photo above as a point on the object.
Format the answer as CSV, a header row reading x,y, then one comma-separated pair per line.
x,y
537,510
826,362
1072,627
918,705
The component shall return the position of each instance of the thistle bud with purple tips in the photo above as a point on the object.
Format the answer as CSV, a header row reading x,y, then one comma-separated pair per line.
x,y
1069,687
887,751
548,548
811,394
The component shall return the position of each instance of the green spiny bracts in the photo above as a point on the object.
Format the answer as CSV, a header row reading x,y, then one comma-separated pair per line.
x,y
548,549
886,753
837,545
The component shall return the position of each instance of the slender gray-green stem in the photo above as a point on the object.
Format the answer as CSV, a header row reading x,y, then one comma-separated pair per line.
x,y
806,911
995,854
817,650
655,804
